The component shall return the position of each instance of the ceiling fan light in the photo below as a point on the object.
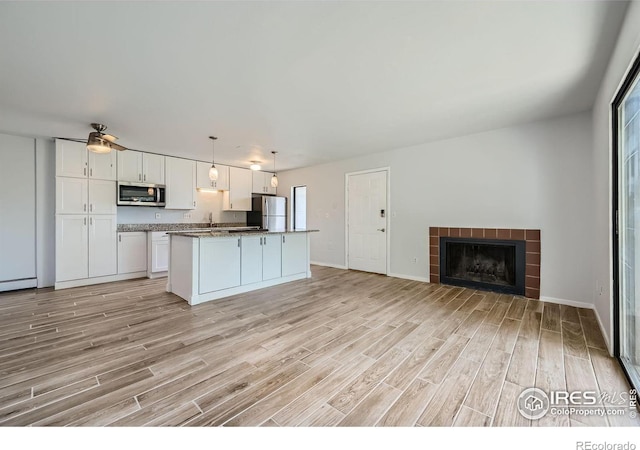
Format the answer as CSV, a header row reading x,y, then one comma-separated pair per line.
x,y
97,145
255,166
274,181
213,173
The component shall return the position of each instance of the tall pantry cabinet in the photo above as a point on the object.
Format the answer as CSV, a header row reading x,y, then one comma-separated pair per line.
x,y
86,246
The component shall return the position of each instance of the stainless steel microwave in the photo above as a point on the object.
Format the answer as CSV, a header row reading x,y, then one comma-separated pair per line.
x,y
140,194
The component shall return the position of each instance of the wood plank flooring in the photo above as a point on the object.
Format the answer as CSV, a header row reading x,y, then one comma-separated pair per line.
x,y
343,348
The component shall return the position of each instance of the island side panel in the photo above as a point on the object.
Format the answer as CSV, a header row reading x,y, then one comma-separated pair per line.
x,y
183,267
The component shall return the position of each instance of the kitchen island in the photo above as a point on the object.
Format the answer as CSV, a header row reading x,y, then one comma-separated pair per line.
x,y
209,265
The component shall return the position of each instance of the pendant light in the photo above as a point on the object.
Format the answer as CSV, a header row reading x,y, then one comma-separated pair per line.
x,y
213,172
274,178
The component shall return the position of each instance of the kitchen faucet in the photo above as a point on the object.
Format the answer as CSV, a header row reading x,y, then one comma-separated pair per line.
x,y
211,222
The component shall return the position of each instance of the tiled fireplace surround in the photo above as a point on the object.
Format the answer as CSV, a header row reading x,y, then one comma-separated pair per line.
x,y
532,258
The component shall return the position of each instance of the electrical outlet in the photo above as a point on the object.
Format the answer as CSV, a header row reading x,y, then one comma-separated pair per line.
x,y
415,260
186,216
157,215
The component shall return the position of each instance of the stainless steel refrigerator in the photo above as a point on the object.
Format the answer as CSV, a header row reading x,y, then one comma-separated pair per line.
x,y
268,212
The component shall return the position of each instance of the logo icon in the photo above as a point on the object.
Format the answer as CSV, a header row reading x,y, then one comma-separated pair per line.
x,y
533,403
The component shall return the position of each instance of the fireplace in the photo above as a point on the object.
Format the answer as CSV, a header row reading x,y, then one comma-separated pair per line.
x,y
492,264
532,257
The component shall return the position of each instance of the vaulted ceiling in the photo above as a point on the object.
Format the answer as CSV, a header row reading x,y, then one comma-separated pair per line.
x,y
316,81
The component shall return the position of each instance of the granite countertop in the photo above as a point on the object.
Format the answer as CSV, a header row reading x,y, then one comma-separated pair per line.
x,y
214,234
172,226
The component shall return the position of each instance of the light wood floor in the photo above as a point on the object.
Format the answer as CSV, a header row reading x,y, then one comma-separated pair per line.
x,y
343,348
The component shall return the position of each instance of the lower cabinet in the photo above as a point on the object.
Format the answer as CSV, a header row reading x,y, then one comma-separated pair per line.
x,y
85,246
158,251
219,265
132,252
294,254
261,258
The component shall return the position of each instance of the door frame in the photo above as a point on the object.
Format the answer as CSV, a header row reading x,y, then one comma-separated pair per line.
x,y
386,169
630,75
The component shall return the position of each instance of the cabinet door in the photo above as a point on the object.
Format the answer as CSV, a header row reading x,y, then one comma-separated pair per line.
x,y
294,254
160,255
102,197
102,166
219,264
271,257
222,184
251,259
238,197
103,251
181,183
71,159
71,195
202,176
257,184
268,189
129,166
72,262
153,168
132,252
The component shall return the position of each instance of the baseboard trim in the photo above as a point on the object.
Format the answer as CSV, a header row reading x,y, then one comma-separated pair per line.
x,y
408,277
99,280
18,284
607,341
562,301
335,266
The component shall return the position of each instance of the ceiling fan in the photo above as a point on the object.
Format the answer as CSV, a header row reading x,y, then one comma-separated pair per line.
x,y
98,142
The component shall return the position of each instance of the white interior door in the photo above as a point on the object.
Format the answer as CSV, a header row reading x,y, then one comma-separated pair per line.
x,y
367,222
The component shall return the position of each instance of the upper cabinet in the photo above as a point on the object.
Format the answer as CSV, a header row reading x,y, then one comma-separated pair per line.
x,y
238,197
75,161
262,183
181,183
139,167
203,182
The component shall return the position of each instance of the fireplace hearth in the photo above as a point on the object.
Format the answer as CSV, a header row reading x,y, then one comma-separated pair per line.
x,y
496,265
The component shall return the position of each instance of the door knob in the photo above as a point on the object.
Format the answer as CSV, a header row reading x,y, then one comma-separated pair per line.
x,y
381,229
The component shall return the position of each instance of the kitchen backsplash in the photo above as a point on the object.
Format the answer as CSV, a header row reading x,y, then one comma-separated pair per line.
x,y
206,202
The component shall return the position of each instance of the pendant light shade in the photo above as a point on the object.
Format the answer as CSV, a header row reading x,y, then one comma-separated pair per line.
x,y
274,178
213,172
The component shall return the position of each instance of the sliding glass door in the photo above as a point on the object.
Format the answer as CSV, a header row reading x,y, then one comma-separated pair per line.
x,y
627,145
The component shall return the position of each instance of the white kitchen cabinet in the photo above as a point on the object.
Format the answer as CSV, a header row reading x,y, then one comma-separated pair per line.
x,y
102,166
181,183
71,159
132,252
294,254
251,259
72,247
153,170
238,197
204,183
103,257
158,254
102,197
271,257
219,264
74,160
261,183
141,167
72,195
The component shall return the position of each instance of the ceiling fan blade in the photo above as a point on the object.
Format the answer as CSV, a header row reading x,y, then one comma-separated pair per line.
x,y
71,139
117,146
109,137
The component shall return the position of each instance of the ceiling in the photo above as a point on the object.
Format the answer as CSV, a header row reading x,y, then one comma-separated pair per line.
x,y
316,81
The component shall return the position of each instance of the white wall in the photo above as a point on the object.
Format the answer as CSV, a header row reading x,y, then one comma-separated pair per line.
x,y
626,48
206,202
45,212
537,175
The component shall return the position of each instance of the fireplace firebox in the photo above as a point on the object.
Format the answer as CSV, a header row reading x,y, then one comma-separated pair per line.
x,y
490,264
